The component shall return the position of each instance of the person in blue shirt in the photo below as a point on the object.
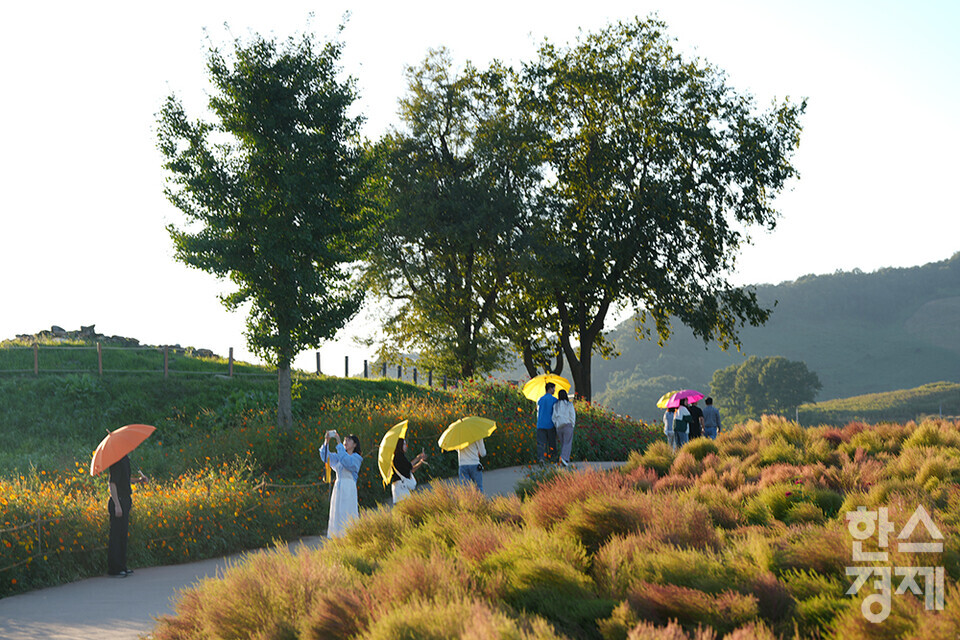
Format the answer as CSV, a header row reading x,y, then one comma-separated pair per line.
x,y
711,420
346,462
546,431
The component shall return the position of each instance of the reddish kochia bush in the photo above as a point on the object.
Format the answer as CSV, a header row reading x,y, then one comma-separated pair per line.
x,y
554,500
690,607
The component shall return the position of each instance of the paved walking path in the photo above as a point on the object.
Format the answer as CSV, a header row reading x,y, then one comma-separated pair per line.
x,y
106,608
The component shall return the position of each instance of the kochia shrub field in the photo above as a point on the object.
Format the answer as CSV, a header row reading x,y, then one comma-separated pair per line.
x,y
717,540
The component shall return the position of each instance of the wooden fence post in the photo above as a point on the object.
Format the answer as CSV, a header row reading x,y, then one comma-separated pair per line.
x,y
414,375
399,372
346,366
36,359
430,378
231,362
444,382
318,363
365,369
166,361
100,359
384,370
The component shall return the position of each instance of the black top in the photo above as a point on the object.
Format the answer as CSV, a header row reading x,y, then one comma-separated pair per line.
x,y
400,463
695,414
120,476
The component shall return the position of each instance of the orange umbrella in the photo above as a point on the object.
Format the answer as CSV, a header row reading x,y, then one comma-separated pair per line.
x,y
118,444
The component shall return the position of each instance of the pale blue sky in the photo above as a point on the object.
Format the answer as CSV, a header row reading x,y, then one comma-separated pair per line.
x,y
83,214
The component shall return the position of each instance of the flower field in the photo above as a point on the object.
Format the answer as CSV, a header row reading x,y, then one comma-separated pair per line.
x,y
230,480
745,537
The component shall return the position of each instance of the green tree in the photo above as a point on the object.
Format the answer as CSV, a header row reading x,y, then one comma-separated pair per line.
x,y
764,385
788,384
454,188
657,169
271,188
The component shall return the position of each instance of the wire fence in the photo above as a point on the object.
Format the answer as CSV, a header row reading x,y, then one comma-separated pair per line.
x,y
169,361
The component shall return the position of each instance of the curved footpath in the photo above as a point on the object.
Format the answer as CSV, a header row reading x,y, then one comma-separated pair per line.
x,y
124,609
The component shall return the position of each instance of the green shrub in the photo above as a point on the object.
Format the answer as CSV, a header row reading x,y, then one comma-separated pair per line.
x,y
934,434
829,501
756,512
870,441
804,513
545,574
780,451
658,456
817,613
700,448
779,498
453,620
627,561
805,584
825,550
779,428
724,510
905,613
601,516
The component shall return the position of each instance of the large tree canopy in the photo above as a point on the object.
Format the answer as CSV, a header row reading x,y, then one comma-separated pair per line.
x,y
454,189
271,191
657,169
762,385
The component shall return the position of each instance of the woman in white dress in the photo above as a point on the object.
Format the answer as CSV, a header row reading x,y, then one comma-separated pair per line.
x,y
343,503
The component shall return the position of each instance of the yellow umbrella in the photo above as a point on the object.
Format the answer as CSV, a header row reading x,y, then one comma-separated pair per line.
x,y
665,398
466,431
388,445
536,387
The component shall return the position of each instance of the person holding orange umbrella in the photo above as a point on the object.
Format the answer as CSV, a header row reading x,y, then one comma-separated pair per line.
x,y
121,503
111,454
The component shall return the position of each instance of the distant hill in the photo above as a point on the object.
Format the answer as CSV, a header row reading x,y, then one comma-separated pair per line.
x,y
860,332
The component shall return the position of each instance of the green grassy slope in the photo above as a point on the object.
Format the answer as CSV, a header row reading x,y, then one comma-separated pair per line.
x,y
74,410
936,399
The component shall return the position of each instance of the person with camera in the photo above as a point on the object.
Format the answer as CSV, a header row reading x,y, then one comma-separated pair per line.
x,y
345,461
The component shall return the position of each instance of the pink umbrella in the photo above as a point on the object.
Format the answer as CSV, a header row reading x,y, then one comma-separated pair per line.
x,y
690,395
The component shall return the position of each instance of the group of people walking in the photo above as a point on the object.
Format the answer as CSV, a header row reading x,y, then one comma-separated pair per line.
x,y
689,421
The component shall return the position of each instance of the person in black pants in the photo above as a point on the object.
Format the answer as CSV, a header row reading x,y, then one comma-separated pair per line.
x,y
121,502
696,420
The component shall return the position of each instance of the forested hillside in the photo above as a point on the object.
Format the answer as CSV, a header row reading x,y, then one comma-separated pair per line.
x,y
860,332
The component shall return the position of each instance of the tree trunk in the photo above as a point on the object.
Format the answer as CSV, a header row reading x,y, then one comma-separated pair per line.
x,y
533,368
528,362
580,372
284,396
